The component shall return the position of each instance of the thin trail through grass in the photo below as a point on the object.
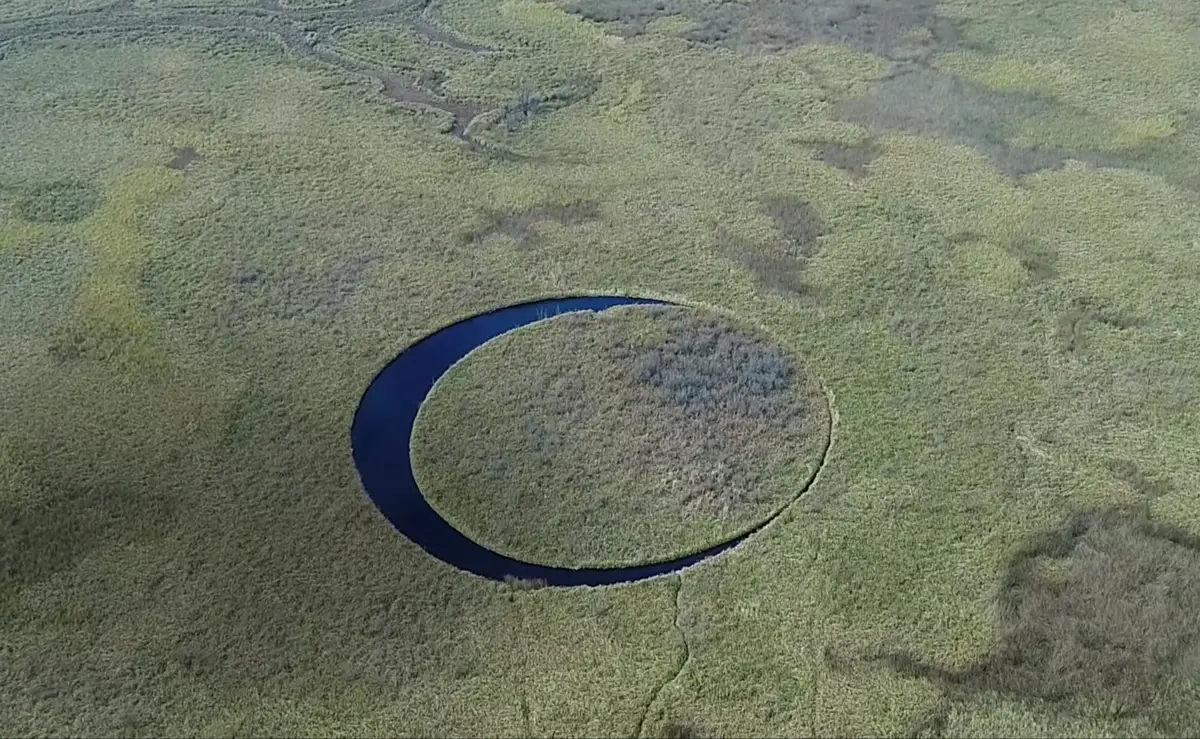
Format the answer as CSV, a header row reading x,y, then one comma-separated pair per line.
x,y
686,656
678,628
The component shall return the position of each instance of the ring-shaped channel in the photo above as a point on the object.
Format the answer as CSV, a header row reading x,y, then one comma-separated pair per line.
x,y
381,433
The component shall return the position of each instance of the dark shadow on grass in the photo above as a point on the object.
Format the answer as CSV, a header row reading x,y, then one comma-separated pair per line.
x,y
37,279
882,27
1128,472
1084,315
184,157
521,225
779,267
69,514
42,538
925,102
1038,259
1099,611
58,202
798,223
853,160
773,269
679,730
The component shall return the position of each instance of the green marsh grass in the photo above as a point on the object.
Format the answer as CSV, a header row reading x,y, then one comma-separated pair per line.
x,y
188,550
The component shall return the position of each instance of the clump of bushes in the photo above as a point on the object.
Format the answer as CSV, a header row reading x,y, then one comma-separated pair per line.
x,y
530,104
711,370
798,223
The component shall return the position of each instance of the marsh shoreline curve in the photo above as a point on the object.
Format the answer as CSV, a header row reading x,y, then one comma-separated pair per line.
x,y
382,429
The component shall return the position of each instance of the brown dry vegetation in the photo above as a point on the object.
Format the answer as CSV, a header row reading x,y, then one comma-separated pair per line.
x,y
1099,611
877,26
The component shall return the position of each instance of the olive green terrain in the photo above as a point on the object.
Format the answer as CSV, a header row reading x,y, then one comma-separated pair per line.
x,y
975,222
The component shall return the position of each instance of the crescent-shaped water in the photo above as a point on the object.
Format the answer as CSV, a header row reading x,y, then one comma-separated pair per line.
x,y
382,429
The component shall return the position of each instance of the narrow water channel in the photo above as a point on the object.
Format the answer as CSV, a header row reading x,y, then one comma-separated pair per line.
x,y
383,425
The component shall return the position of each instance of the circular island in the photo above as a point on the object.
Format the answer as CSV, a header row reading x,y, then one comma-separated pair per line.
x,y
612,439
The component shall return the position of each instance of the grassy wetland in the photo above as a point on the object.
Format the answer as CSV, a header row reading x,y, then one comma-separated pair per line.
x,y
974,224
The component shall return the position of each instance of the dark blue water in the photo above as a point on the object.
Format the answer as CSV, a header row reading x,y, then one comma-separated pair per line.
x,y
384,422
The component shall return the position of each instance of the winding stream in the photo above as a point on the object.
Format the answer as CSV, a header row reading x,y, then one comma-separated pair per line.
x,y
304,33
